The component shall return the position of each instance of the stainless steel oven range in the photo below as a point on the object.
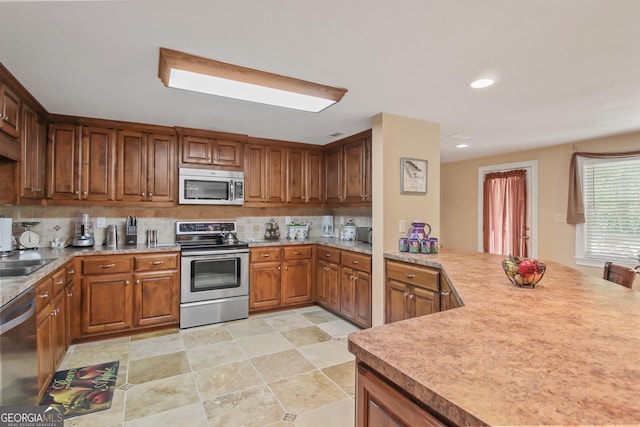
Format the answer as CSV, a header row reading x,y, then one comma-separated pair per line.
x,y
214,282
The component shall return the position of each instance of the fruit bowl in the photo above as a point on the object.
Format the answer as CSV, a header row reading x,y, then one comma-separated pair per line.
x,y
523,272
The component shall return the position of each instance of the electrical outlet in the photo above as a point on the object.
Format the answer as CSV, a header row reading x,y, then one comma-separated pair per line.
x,y
101,222
403,226
287,220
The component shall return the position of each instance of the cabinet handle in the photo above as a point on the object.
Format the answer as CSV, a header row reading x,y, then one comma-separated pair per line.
x,y
70,294
143,194
107,265
409,276
404,295
45,295
138,281
208,159
286,267
76,192
126,282
150,194
444,294
411,296
355,279
355,261
85,193
70,272
278,267
156,262
266,255
60,282
327,255
297,253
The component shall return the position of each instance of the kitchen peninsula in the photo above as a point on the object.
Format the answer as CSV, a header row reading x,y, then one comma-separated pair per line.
x,y
562,353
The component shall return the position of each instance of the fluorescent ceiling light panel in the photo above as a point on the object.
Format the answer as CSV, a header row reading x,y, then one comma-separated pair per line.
x,y
183,71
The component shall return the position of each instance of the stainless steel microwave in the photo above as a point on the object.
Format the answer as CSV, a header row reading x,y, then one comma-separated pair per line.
x,y
210,187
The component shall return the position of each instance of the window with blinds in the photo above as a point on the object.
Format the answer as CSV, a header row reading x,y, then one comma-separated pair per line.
x,y
612,208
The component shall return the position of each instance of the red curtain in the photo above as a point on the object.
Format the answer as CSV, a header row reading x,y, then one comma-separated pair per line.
x,y
505,213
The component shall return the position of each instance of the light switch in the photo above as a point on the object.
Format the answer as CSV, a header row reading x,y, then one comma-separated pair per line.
x,y
403,225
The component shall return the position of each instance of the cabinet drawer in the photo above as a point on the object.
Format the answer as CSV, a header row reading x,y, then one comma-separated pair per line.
x,y
155,262
328,254
271,253
106,265
58,280
44,294
71,272
297,252
424,277
356,261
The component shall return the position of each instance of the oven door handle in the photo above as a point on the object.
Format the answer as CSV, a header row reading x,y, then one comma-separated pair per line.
x,y
213,254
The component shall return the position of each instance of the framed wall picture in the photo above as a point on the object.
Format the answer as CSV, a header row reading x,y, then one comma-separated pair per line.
x,y
413,175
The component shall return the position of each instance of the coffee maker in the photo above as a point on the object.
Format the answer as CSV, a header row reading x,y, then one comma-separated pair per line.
x,y
327,226
84,232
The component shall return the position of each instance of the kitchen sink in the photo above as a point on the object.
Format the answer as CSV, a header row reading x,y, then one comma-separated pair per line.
x,y
24,267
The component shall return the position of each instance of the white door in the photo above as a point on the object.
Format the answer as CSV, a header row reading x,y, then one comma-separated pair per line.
x,y
532,201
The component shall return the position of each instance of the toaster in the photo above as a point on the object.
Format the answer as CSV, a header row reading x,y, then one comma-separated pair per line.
x,y
364,234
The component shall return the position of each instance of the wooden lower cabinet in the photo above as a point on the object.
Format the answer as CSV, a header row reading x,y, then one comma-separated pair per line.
x,y
410,291
280,276
44,337
129,292
381,404
344,286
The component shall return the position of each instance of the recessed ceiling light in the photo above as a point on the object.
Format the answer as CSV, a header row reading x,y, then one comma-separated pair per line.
x,y
462,145
183,71
481,83
460,136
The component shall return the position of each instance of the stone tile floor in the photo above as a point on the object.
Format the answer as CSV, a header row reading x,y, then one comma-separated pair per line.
x,y
289,368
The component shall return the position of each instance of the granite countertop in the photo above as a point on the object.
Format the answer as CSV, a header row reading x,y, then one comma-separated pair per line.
x,y
350,245
11,287
562,353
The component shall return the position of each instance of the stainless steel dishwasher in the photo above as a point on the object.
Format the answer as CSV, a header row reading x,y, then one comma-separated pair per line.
x,y
18,347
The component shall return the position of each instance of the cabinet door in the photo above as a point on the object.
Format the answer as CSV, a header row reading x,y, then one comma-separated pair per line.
x,y
362,312
368,186
58,331
321,281
44,338
396,301
98,167
156,298
276,175
347,293
71,315
197,150
354,172
314,178
132,166
34,152
333,286
333,175
380,404
424,301
264,291
10,110
161,167
296,281
296,175
255,175
228,154
106,303
64,162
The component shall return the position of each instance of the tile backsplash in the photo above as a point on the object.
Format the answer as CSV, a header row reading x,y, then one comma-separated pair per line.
x,y
59,222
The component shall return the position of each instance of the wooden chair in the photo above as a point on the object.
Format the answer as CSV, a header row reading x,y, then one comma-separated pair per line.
x,y
619,274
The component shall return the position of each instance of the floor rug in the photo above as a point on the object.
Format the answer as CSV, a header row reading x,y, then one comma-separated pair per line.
x,y
82,390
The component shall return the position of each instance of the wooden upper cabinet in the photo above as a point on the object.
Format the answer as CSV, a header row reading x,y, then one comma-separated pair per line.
x,y
81,163
34,153
333,174
64,162
354,172
146,166
9,112
206,151
304,176
265,174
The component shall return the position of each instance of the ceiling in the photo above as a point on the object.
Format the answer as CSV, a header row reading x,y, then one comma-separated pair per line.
x,y
564,69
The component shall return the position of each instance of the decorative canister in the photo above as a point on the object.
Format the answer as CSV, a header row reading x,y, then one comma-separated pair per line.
x,y
414,246
404,244
425,246
433,243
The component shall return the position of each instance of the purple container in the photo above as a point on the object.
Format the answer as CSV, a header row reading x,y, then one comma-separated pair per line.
x,y
425,246
404,244
433,243
414,246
